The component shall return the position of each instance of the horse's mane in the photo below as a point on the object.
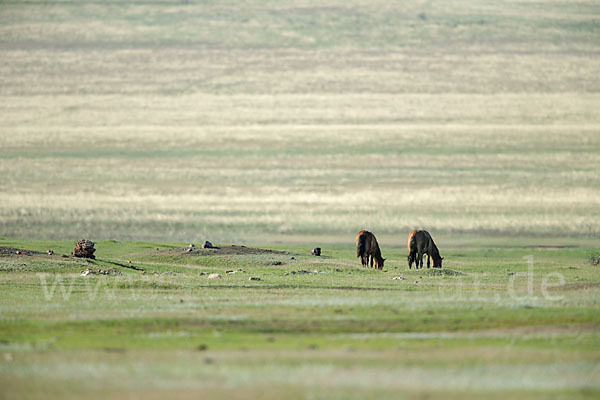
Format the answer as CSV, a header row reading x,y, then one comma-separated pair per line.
x,y
435,253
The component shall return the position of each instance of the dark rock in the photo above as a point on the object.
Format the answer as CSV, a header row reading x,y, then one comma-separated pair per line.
x,y
84,249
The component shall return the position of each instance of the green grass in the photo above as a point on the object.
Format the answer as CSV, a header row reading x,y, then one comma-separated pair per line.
x,y
153,124
475,325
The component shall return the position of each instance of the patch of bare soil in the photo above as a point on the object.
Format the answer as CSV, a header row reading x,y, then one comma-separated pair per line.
x,y
226,250
575,286
13,252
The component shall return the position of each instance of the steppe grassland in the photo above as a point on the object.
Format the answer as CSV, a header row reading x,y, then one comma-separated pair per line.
x,y
305,180
264,122
345,331
182,121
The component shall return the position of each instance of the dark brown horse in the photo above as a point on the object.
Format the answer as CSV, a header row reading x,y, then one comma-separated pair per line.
x,y
420,243
366,245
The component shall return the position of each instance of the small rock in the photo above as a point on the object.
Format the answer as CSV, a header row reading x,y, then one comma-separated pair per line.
x,y
214,276
300,272
253,278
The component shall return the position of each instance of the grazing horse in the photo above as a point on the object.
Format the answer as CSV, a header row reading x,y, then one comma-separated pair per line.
x,y
420,243
366,245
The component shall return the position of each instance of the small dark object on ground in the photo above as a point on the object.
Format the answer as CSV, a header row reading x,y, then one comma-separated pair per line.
x,y
207,245
50,252
84,249
316,251
253,278
300,272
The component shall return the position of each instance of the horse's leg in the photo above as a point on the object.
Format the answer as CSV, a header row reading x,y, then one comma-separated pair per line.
x,y
371,261
428,258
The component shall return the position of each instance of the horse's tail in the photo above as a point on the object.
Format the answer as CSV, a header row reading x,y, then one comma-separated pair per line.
x,y
361,245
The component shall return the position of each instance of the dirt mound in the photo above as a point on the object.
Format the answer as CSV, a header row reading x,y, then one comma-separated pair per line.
x,y
227,250
13,252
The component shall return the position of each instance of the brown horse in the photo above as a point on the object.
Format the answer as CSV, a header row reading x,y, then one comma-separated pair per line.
x,y
420,243
366,245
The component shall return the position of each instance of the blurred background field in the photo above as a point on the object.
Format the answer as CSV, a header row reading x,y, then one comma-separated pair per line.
x,y
287,125
257,120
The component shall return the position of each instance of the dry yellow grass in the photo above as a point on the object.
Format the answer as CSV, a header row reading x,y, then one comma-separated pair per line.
x,y
181,121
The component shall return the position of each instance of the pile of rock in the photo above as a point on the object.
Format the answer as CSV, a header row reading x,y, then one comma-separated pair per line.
x,y
84,249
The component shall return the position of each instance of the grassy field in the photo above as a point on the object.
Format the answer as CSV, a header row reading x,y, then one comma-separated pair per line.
x,y
262,121
153,124
489,324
